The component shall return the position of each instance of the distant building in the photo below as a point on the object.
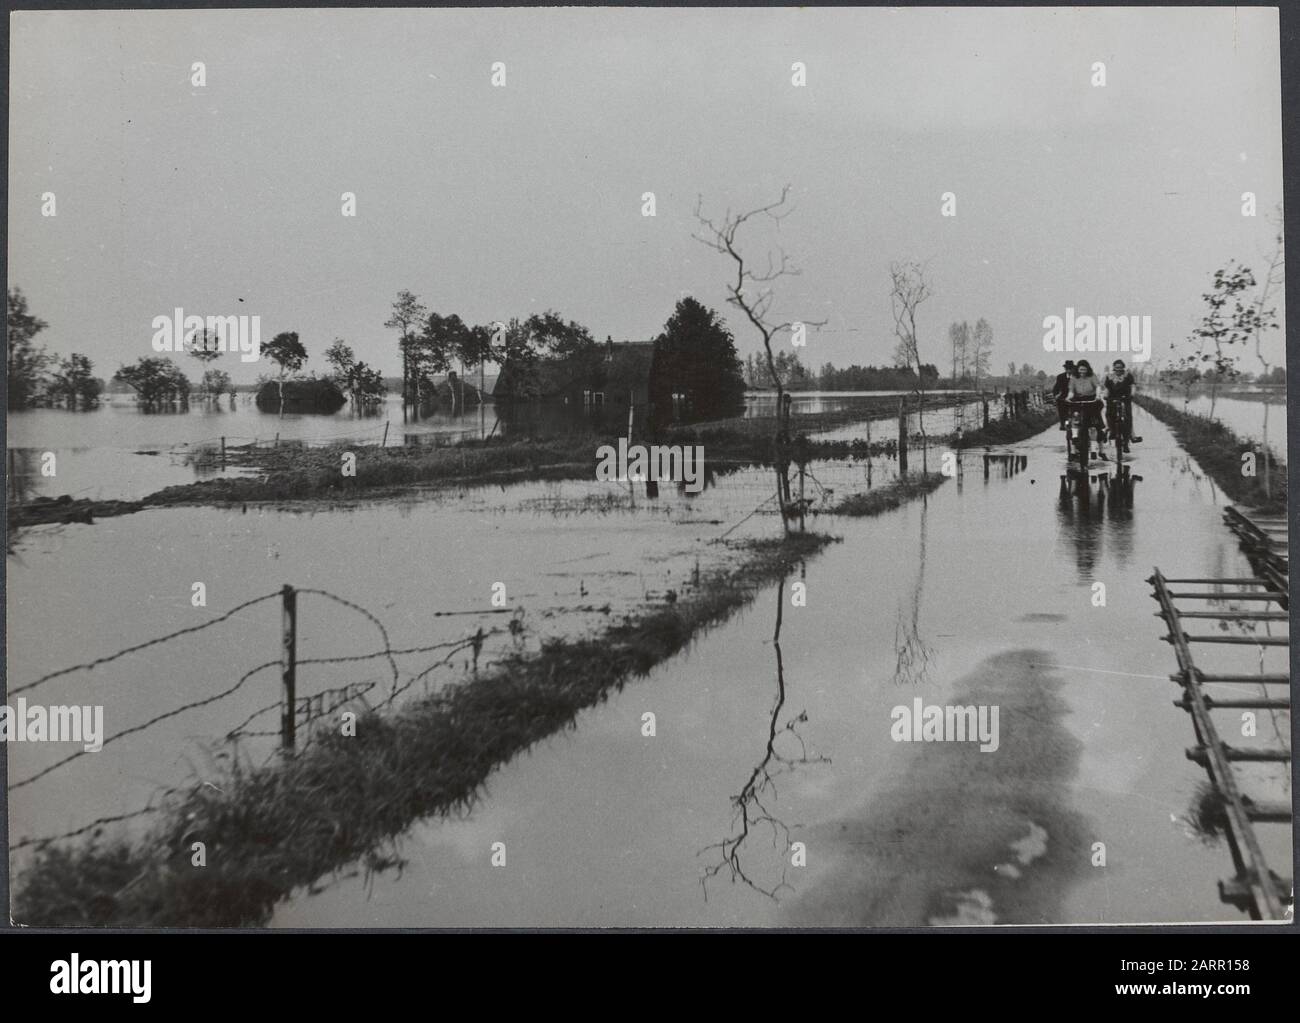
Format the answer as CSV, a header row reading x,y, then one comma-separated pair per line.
x,y
615,374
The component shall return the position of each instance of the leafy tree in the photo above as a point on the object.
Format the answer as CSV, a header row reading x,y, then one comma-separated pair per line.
x,y
205,345
441,341
75,383
518,357
216,382
407,316
362,384
695,361
1231,319
365,385
26,362
473,348
158,382
448,339
567,342
287,352
341,359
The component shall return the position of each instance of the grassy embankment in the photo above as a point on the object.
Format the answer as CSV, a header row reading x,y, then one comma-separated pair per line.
x,y
269,830
1219,452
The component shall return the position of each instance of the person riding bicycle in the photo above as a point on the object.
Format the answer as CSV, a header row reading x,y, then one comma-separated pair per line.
x,y
1061,389
1119,384
1086,388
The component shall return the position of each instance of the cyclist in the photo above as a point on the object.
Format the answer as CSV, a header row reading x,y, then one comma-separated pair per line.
x,y
1119,387
1085,387
1061,389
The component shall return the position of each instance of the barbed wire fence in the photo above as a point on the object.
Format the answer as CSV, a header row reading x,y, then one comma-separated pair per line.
x,y
306,711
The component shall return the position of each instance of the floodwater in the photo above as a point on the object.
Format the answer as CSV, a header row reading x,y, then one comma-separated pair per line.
x,y
983,594
117,452
570,555
1245,418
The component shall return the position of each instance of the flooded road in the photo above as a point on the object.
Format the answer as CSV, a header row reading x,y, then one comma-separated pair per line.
x,y
985,593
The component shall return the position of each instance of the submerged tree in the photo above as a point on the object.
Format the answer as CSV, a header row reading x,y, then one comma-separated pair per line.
x,y
287,352
407,315
157,382
207,346
75,383
750,294
908,289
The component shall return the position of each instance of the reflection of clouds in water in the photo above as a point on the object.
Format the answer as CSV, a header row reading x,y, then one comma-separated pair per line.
x,y
1032,846
974,907
470,838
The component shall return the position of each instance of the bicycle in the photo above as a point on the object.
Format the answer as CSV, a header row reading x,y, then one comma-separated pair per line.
x,y
1078,430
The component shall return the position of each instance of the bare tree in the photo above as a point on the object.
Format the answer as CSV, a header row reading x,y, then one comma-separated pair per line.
x,y
982,342
908,289
1274,277
959,338
749,293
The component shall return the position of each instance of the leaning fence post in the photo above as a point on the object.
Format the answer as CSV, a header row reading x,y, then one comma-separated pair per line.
x,y
384,443
288,663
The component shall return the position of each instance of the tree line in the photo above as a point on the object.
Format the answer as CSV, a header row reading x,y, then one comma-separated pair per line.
x,y
693,372
38,378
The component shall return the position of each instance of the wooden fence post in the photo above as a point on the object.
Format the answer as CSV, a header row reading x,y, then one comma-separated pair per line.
x,y
223,452
902,437
288,663
384,443
986,411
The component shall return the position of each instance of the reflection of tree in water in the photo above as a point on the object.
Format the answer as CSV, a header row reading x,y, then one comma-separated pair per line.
x,y
752,803
913,653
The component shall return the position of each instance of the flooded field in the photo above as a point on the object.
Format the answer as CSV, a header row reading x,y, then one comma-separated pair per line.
x,y
983,594
118,452
430,566
1245,418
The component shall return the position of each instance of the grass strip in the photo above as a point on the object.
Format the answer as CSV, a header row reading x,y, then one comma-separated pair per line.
x,y
887,498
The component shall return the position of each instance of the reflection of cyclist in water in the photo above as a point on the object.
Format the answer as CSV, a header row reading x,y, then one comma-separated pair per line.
x,y
1086,388
1118,385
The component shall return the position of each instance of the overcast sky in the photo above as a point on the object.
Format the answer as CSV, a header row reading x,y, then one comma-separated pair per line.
x,y
498,202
